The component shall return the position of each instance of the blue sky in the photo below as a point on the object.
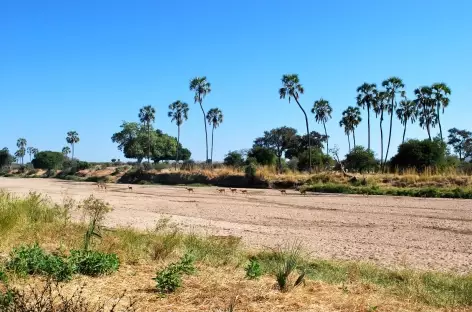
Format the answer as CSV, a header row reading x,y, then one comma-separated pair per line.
x,y
88,65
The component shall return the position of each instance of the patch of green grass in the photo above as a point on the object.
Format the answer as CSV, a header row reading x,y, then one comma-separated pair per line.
x,y
217,251
169,279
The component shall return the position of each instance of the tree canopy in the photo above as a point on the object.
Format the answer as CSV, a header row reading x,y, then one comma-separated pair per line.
x,y
420,154
48,160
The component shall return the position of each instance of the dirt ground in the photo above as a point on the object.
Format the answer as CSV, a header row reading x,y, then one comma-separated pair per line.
x,y
393,231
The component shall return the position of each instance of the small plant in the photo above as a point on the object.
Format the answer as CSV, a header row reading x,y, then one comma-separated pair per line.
x,y
170,278
286,266
94,263
253,269
96,210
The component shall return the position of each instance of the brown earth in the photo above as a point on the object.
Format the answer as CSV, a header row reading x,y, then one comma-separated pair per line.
x,y
393,231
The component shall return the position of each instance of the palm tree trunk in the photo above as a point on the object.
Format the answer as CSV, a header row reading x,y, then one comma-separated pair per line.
x,y
212,133
354,138
349,141
381,142
390,132
206,131
327,140
439,123
178,147
307,131
368,127
72,150
429,131
149,143
404,132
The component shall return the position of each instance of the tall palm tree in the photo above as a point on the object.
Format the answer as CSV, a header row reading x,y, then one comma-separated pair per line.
x,y
292,88
214,118
147,115
72,138
393,86
440,93
427,108
21,144
65,151
407,111
202,88
379,107
352,116
178,112
31,151
365,99
322,111
344,123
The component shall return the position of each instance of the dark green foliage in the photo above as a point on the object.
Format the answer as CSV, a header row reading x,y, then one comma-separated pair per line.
x,y
263,155
6,159
250,171
360,160
170,278
299,144
253,269
461,141
234,159
93,263
48,160
420,154
319,159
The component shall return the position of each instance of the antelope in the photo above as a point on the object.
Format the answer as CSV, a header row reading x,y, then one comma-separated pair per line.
x,y
130,188
233,190
283,192
189,189
221,190
101,185
244,192
302,192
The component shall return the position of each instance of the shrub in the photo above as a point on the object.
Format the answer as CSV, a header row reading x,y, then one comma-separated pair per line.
x,y
253,269
420,154
264,156
48,160
93,263
234,159
170,278
6,159
360,160
250,171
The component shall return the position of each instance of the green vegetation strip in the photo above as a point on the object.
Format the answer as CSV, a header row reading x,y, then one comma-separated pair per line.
x,y
433,192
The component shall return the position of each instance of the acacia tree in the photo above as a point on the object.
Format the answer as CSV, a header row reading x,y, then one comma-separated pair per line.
x,y
178,112
214,118
202,88
292,88
352,119
366,95
31,151
147,115
440,93
406,112
426,108
65,151
460,140
393,86
72,138
277,140
380,105
20,153
322,111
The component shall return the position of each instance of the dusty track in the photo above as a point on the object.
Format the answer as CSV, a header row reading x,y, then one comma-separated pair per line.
x,y
419,233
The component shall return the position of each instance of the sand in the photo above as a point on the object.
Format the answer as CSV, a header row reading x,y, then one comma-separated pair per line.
x,y
420,233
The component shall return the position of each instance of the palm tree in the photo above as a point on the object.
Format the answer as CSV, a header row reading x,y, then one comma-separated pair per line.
x,y
322,111
292,88
440,97
406,111
344,123
72,138
365,100
178,112
21,144
393,86
65,151
379,107
147,115
31,151
214,118
426,108
352,118
202,88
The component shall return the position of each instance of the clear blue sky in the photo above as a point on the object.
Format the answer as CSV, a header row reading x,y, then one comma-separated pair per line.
x,y
88,65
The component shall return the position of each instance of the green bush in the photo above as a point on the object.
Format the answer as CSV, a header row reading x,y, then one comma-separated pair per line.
x,y
360,160
253,269
234,159
48,160
250,171
420,154
170,278
94,263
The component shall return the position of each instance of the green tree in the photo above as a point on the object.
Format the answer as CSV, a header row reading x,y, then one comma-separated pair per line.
x,y
379,107
214,118
360,159
440,93
426,108
292,88
147,115
48,160
459,140
66,151
299,145
178,112
202,88
350,120
366,97
278,140
393,86
31,151
6,158
21,152
72,138
234,159
344,123
322,111
406,111
420,154
263,155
